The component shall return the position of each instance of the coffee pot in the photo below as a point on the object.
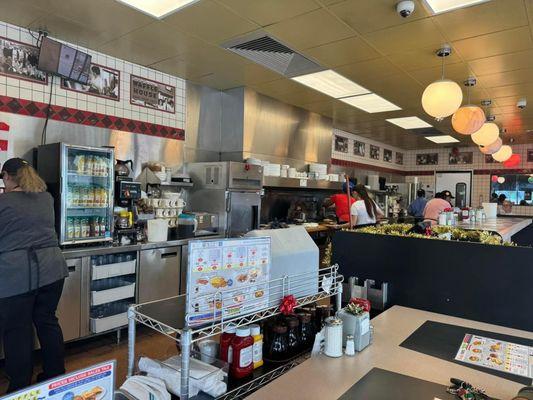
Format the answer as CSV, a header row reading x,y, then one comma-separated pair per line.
x,y
121,168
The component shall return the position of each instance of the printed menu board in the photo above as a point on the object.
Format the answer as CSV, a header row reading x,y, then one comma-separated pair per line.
x,y
227,278
503,356
96,382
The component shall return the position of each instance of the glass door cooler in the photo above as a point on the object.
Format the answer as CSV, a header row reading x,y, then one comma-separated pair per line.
x,y
81,181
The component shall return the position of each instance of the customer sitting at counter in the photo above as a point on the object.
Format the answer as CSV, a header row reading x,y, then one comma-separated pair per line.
x,y
364,211
416,208
340,201
32,273
437,205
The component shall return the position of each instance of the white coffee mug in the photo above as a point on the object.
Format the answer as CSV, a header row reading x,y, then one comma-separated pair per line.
x,y
173,203
164,203
160,212
172,212
168,213
181,203
174,222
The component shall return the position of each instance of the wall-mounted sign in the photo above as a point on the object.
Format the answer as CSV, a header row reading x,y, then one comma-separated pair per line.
x,y
19,60
103,82
151,94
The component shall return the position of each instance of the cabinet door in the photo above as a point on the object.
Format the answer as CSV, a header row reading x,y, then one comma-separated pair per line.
x,y
69,307
159,274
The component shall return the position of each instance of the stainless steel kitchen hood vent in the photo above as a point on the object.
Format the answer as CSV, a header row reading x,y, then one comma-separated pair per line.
x,y
270,53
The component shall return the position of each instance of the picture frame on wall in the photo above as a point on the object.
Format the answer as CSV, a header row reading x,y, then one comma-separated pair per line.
x,y
461,157
399,158
489,159
427,159
103,82
387,155
20,60
374,152
341,144
529,155
359,148
148,93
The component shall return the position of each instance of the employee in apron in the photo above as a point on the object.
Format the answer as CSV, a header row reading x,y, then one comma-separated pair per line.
x,y
32,272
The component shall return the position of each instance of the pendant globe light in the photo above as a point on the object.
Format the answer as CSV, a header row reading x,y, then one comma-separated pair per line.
x,y
503,154
487,134
443,97
491,148
468,118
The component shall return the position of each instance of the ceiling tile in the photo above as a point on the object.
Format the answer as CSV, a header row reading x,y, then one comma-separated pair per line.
x,y
502,63
493,44
414,35
457,72
492,16
506,101
269,12
371,15
521,90
310,30
367,72
329,2
186,70
342,52
21,12
210,21
412,59
506,78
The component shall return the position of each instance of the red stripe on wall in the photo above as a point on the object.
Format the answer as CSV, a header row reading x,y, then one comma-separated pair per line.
x,y
353,164
67,114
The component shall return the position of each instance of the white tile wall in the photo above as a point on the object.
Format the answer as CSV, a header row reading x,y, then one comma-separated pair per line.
x,y
36,92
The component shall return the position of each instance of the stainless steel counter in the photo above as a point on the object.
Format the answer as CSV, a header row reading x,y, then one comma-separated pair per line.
x,y
505,227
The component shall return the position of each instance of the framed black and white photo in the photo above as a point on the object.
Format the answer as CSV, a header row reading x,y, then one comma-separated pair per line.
x,y
374,152
341,144
399,158
151,94
359,148
427,159
20,60
529,155
489,159
461,157
103,82
387,155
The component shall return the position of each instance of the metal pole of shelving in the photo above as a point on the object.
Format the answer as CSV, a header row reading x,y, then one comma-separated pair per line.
x,y
131,341
186,337
338,296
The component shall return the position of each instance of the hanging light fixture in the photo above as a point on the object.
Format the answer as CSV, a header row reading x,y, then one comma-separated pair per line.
x,y
494,178
501,180
503,154
487,134
491,148
468,118
443,97
513,161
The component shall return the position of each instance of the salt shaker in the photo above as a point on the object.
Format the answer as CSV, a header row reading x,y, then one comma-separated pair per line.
x,y
350,346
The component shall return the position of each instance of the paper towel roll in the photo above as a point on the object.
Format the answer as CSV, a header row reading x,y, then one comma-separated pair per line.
x,y
491,209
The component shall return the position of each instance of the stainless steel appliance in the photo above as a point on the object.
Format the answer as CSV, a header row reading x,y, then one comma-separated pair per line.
x,y
205,222
159,274
81,181
232,190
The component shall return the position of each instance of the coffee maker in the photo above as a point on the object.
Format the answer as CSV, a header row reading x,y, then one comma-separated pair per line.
x,y
127,192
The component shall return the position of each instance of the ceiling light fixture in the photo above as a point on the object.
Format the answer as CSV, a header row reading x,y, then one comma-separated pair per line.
x,y
409,122
491,148
371,103
158,8
442,139
441,6
331,83
503,154
468,118
487,134
443,97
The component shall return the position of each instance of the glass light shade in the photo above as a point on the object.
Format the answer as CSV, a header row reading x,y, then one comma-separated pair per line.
x,y
513,161
468,119
530,179
494,178
442,98
491,148
501,179
487,134
503,154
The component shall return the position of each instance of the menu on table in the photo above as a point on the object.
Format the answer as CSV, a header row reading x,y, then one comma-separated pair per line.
x,y
227,278
503,356
96,382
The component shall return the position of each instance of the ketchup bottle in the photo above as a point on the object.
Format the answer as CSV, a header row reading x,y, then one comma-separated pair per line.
x,y
242,345
226,351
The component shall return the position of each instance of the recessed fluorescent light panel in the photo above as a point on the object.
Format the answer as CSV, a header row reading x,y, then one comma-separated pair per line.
x,y
371,103
409,122
441,6
442,139
331,83
158,8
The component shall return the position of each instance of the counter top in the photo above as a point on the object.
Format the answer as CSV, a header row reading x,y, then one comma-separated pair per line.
x,y
96,250
325,378
505,227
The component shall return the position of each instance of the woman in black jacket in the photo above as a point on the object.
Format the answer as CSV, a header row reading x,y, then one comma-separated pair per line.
x,y
32,273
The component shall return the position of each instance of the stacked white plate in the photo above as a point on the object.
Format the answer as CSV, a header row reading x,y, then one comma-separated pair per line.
x,y
333,177
272,170
321,169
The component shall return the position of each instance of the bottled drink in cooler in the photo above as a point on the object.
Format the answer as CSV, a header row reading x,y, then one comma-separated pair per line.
x,y
70,228
77,228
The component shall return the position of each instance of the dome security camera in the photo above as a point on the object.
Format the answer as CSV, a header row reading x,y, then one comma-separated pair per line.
x,y
405,8
521,104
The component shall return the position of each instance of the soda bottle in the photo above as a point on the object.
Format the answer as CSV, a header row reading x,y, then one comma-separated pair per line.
x,y
77,228
70,228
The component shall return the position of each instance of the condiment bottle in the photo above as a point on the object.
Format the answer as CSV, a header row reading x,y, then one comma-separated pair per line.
x,y
226,352
242,345
255,331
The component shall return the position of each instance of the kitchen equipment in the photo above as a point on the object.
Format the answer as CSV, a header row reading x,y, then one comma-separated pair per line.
x,y
123,220
230,189
157,230
205,222
333,337
159,273
278,345
81,181
187,225
491,209
121,168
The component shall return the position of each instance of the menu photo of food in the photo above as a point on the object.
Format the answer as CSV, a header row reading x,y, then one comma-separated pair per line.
x,y
495,354
227,278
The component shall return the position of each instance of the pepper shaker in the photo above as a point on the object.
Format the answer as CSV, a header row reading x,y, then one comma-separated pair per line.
x,y
350,346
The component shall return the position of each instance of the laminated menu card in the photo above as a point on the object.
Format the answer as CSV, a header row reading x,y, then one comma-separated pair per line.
x,y
227,278
495,354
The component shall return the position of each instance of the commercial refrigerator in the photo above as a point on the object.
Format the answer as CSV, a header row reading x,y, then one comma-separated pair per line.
x,y
81,181
230,189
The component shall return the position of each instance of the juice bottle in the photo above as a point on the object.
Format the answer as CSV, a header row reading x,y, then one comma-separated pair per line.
x,y
226,352
255,331
102,226
77,228
70,228
242,344
84,228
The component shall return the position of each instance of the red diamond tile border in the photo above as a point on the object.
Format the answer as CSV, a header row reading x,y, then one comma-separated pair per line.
x,y
67,114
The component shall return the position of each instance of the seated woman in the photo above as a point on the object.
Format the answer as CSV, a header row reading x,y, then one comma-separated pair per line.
x,y
364,211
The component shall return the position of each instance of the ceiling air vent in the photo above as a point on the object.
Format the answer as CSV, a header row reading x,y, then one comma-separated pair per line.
x,y
426,132
268,52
